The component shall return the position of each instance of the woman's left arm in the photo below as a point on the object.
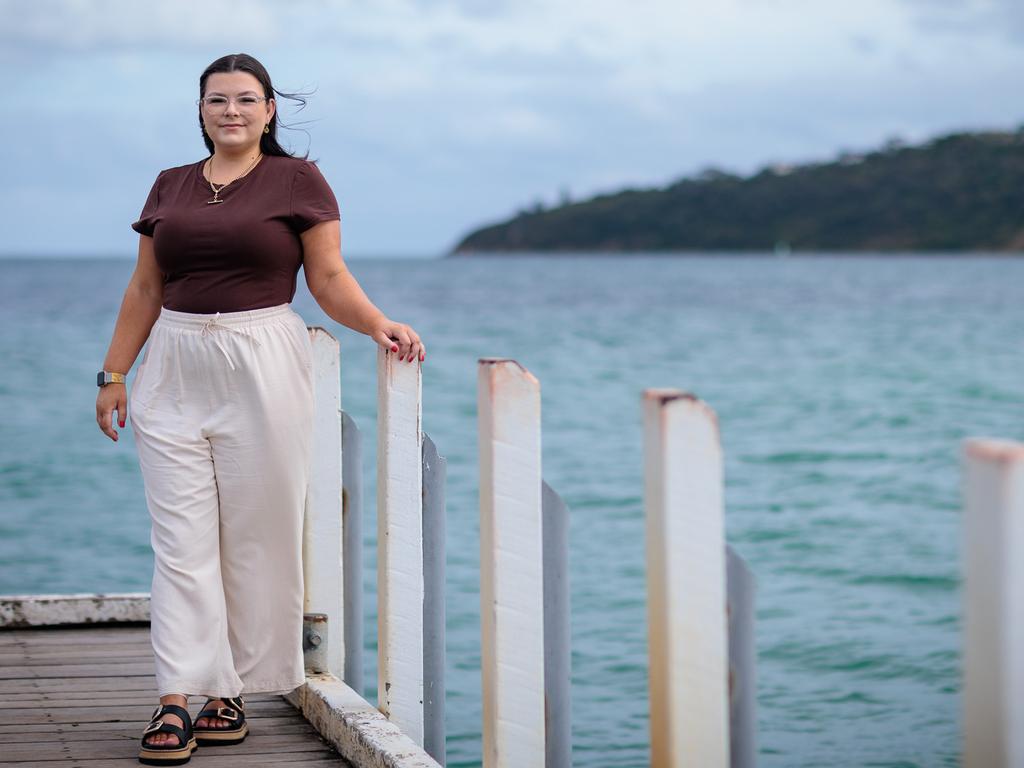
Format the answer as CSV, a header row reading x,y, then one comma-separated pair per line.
x,y
342,298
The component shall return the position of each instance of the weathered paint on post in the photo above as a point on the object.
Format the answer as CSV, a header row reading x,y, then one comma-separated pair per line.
x,y
740,589
993,694
511,563
557,653
352,533
399,544
434,467
688,679
321,537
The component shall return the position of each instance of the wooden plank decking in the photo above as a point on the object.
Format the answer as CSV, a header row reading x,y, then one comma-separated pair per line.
x,y
80,696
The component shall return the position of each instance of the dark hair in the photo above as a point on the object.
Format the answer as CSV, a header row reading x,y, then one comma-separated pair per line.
x,y
243,62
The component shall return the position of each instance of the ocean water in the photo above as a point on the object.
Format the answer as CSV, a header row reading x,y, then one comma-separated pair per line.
x,y
844,387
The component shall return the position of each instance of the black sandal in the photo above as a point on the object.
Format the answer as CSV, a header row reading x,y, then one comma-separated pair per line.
x,y
168,753
229,734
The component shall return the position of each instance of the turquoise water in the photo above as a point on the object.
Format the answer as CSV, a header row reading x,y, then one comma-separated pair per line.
x,y
844,387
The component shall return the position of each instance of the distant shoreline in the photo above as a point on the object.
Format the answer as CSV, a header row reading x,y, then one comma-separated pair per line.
x,y
958,193
695,254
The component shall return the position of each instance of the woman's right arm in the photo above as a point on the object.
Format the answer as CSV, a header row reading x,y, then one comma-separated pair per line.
x,y
140,308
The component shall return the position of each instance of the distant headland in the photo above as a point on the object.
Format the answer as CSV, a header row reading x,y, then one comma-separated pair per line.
x,y
960,192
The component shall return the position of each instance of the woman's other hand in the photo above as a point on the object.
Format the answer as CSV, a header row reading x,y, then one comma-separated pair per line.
x,y
400,338
140,308
112,397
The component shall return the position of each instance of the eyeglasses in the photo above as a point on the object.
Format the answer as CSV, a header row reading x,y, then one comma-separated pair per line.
x,y
221,102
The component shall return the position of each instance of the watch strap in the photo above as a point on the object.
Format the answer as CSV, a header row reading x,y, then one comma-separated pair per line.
x,y
109,377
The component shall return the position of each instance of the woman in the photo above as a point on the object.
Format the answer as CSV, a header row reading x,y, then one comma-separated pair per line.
x,y
222,404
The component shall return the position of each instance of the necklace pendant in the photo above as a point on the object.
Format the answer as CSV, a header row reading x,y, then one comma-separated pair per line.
x,y
215,200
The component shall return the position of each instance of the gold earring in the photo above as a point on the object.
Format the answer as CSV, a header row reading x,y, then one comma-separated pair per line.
x,y
266,128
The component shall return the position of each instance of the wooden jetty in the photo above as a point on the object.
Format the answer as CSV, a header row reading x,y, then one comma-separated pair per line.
x,y
76,672
80,696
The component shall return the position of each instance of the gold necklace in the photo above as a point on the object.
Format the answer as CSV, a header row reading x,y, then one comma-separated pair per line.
x,y
216,189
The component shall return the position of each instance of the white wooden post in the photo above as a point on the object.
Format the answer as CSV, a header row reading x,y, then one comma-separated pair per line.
x,y
994,604
399,544
352,535
740,588
511,563
557,632
688,679
434,468
322,528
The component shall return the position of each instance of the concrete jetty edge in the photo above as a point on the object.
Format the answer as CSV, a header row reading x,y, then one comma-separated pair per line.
x,y
354,727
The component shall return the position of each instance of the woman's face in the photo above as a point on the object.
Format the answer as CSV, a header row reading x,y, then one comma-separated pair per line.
x,y
234,111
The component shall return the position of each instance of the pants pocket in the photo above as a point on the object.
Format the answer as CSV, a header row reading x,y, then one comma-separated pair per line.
x,y
140,392
133,392
304,345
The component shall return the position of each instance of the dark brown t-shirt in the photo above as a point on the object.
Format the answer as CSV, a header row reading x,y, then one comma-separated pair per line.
x,y
243,253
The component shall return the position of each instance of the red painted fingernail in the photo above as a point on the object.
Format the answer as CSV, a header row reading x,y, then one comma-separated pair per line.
x,y
394,349
122,423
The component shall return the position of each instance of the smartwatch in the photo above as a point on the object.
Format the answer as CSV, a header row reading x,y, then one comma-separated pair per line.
x,y
107,377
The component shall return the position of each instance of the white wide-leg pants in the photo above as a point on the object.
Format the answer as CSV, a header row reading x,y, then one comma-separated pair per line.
x,y
222,412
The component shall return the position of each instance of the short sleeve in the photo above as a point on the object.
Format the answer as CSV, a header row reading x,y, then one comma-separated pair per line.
x,y
147,219
313,200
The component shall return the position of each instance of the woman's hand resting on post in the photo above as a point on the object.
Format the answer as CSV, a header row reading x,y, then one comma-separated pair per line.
x,y
342,298
400,338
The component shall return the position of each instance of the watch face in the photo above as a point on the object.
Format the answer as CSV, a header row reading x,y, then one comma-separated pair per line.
x,y
99,379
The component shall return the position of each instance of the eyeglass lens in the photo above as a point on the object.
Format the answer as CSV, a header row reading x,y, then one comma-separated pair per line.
x,y
220,102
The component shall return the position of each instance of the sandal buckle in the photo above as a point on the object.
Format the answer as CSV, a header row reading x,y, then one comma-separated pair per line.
x,y
233,716
153,726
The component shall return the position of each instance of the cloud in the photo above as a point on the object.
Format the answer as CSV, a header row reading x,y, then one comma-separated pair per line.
x,y
88,26
1000,19
442,113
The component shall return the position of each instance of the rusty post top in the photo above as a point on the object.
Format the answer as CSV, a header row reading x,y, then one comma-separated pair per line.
x,y
495,363
665,395
496,360
994,449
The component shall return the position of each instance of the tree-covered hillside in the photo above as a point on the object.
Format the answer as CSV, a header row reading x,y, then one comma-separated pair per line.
x,y
959,192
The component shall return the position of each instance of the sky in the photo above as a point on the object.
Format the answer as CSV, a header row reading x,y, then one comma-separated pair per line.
x,y
431,118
